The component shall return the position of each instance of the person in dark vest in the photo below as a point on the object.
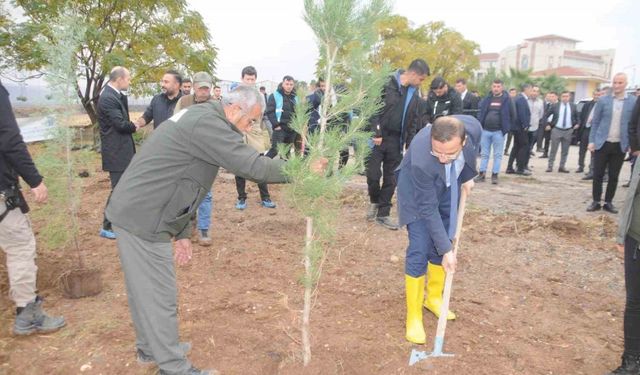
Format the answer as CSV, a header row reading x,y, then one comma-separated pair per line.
x,y
281,108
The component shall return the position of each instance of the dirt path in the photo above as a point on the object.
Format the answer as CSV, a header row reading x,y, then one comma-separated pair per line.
x,y
539,291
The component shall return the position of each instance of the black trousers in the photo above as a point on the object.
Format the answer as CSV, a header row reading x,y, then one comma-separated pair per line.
x,y
533,138
382,163
608,156
520,150
241,184
281,136
584,143
547,140
114,177
632,305
506,147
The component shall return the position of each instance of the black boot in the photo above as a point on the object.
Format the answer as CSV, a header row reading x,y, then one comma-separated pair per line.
x,y
630,366
480,177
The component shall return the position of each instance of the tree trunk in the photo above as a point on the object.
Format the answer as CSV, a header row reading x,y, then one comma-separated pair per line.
x,y
90,109
306,312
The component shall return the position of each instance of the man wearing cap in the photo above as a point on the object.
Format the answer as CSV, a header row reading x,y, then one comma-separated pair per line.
x,y
202,83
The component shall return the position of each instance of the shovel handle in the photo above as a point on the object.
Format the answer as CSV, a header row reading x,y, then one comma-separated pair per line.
x,y
444,310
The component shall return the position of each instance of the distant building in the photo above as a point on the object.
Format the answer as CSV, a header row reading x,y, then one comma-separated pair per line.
x,y
554,54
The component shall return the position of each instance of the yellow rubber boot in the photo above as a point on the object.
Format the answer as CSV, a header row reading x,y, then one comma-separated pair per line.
x,y
435,286
414,287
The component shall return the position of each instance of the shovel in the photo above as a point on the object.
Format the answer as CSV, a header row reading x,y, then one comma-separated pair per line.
x,y
438,343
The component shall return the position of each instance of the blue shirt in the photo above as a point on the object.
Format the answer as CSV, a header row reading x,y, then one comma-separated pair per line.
x,y
459,165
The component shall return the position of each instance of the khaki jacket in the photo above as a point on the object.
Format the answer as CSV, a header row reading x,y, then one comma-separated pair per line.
x,y
173,171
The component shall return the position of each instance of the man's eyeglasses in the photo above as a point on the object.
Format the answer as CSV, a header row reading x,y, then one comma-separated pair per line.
x,y
449,157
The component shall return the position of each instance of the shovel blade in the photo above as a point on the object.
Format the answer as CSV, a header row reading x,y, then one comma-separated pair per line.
x,y
417,356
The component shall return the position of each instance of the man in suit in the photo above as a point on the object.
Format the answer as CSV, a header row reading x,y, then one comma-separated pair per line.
x,y
470,102
586,118
544,131
565,120
609,140
440,162
117,146
520,130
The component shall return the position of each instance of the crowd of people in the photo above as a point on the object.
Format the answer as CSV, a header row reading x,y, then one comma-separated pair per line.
x,y
425,147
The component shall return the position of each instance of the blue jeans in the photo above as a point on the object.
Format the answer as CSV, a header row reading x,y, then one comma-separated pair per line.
x,y
490,139
204,212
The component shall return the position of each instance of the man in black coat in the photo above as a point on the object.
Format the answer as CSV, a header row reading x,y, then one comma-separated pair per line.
x,y
394,127
470,102
16,235
442,101
116,131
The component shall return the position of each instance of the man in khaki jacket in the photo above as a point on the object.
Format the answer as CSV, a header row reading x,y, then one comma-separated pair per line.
x,y
155,200
258,138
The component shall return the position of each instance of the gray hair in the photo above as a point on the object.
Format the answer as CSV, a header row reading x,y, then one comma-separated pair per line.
x,y
246,97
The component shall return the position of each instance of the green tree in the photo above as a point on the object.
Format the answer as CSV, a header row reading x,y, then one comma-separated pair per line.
x,y
446,50
146,36
335,23
551,83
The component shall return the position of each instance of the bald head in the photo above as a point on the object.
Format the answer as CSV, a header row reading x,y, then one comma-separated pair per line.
x,y
618,84
119,77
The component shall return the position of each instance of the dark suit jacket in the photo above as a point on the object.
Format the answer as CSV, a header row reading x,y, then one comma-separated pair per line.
x,y
115,130
523,114
422,189
470,105
584,115
556,115
634,128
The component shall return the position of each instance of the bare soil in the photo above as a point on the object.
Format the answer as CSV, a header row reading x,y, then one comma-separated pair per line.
x,y
539,290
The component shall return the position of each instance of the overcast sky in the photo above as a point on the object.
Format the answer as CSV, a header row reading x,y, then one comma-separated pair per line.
x,y
272,36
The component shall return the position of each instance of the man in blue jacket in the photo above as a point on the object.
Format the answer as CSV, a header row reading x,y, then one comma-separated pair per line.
x,y
440,161
520,130
609,140
495,117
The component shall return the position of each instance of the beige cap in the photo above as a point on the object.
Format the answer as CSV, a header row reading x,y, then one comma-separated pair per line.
x,y
202,79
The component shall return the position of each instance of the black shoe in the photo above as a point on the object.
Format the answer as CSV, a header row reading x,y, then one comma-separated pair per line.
x,y
626,184
523,172
480,177
588,177
580,170
494,178
563,170
549,169
594,206
608,206
147,359
630,366
532,153
510,171
544,156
